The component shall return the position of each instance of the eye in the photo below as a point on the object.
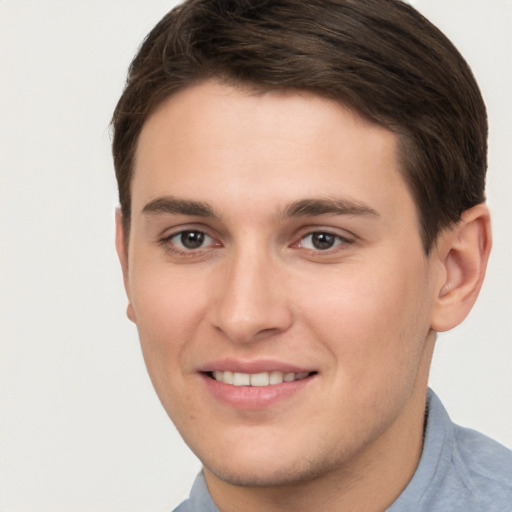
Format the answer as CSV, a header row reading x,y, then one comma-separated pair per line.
x,y
321,241
190,240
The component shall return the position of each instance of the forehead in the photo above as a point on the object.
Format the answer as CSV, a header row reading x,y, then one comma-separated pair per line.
x,y
219,143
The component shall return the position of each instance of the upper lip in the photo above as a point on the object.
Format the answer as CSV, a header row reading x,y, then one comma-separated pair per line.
x,y
252,366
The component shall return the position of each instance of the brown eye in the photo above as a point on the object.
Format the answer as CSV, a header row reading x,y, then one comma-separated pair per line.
x,y
190,240
321,241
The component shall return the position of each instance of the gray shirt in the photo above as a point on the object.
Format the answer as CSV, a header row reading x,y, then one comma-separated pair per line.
x,y
459,470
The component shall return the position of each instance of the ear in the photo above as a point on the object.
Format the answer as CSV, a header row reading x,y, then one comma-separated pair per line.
x,y
122,254
463,251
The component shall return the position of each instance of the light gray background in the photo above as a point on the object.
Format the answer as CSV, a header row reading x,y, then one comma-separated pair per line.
x,y
80,426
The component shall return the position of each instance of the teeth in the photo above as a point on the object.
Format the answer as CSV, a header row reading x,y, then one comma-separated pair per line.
x,y
257,379
289,377
260,379
275,377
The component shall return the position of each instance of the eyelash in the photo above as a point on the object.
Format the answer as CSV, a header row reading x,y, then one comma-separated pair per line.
x,y
337,240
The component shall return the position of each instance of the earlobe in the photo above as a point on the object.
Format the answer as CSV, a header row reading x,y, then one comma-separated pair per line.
x,y
463,252
122,253
130,313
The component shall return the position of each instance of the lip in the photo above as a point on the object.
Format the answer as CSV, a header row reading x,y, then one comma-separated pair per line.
x,y
254,398
253,366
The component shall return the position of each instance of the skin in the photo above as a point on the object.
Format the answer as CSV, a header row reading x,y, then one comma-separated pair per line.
x,y
362,314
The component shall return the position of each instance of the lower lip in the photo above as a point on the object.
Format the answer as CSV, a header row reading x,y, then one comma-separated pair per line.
x,y
254,397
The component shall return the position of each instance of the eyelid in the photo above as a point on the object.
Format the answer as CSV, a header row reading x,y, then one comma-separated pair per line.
x,y
343,234
170,231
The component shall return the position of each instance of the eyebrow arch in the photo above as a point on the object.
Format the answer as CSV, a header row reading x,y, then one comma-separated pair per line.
x,y
174,205
313,207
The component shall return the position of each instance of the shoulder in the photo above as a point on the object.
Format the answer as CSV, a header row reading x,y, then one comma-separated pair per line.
x,y
472,472
484,468
459,470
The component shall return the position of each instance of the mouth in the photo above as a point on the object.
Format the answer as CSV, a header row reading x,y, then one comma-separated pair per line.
x,y
262,379
257,384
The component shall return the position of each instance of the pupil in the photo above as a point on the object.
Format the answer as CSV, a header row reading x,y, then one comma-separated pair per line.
x,y
192,239
322,240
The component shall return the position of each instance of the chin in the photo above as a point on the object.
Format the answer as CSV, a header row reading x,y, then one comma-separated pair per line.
x,y
271,464
264,475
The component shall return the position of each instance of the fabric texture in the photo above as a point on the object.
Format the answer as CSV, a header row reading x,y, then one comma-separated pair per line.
x,y
460,470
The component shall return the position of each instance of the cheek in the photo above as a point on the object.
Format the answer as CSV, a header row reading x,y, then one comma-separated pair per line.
x,y
168,311
165,300
168,314
374,321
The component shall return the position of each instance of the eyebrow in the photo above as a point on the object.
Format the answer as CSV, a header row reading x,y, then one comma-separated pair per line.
x,y
333,206
302,208
174,205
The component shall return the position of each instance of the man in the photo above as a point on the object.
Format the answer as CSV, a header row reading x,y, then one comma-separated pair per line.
x,y
302,210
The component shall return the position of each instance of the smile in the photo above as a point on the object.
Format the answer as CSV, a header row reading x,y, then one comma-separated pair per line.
x,y
257,379
255,385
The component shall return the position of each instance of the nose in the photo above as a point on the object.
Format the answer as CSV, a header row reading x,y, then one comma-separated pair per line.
x,y
251,300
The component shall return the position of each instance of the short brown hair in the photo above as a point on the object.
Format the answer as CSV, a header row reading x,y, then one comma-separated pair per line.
x,y
380,57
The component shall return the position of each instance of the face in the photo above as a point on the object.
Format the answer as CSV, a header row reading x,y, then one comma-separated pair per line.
x,y
277,278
